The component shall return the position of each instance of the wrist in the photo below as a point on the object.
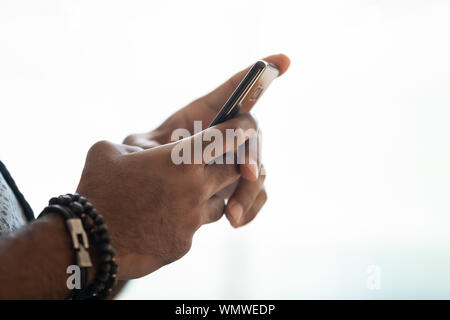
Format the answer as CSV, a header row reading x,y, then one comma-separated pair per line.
x,y
44,251
52,232
90,243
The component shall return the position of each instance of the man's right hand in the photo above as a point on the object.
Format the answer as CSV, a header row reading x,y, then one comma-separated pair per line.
x,y
152,206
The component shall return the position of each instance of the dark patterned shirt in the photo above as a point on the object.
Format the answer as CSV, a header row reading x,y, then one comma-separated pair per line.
x,y
14,210
11,213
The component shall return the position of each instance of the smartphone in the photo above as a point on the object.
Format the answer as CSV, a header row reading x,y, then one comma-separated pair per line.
x,y
248,91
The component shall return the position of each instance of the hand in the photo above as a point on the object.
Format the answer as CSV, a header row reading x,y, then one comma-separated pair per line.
x,y
247,196
153,207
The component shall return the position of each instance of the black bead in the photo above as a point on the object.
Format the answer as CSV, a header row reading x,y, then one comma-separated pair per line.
x,y
108,249
114,267
87,222
102,229
94,238
105,237
105,267
102,276
76,207
53,201
99,287
90,227
104,246
82,200
111,283
102,243
93,213
88,206
64,200
99,219
105,257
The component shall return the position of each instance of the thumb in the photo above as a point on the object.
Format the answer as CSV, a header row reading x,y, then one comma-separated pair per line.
x,y
216,98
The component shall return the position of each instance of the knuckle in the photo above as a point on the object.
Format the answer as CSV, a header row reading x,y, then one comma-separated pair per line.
x,y
130,139
99,146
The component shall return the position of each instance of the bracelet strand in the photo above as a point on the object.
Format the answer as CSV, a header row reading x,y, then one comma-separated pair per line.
x,y
94,226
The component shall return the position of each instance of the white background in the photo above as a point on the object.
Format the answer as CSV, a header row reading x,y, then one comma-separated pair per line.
x,y
356,133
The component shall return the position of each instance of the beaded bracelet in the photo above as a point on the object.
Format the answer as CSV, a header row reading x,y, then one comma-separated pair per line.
x,y
79,242
93,222
98,235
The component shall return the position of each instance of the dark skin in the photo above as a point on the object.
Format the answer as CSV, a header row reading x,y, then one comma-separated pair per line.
x,y
249,192
151,214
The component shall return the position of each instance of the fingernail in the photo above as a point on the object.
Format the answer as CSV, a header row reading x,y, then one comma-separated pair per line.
x,y
236,211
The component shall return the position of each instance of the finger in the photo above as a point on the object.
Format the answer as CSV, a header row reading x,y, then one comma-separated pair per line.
x,y
227,174
214,210
223,175
226,192
250,168
242,200
225,138
224,170
212,143
260,200
217,98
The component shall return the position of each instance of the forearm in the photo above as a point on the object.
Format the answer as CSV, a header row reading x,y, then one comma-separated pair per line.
x,y
34,260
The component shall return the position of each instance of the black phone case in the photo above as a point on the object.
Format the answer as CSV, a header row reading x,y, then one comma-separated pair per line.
x,y
224,113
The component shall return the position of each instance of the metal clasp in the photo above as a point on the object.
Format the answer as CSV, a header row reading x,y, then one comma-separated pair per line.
x,y
80,242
